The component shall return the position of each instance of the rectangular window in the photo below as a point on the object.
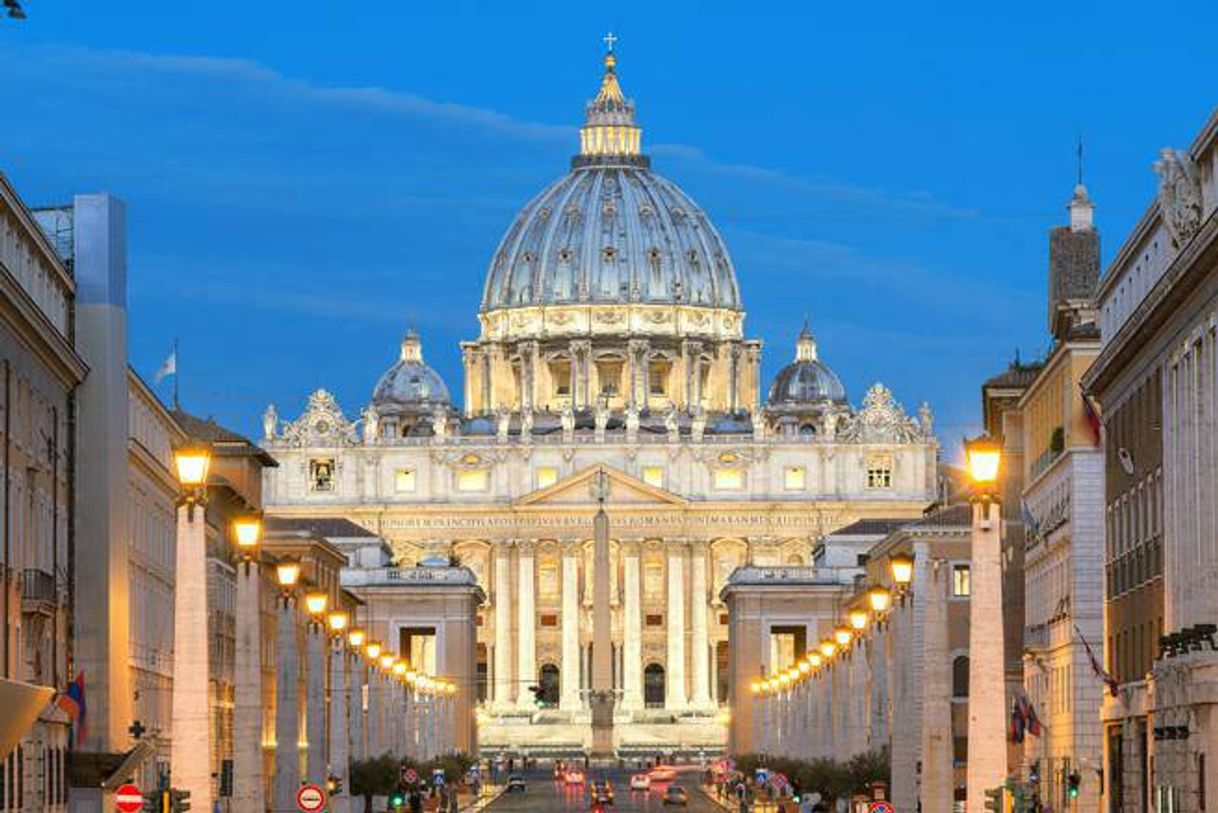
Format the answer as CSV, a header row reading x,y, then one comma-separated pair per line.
x,y
549,620
794,478
879,471
610,375
653,476
657,378
476,480
546,476
961,584
655,620
728,479
404,481
560,372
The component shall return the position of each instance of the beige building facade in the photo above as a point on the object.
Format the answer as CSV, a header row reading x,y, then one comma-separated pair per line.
x,y
610,338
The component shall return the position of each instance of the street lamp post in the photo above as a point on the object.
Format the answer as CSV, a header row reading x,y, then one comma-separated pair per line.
x,y
339,759
287,702
376,714
248,789
315,686
190,750
355,695
987,749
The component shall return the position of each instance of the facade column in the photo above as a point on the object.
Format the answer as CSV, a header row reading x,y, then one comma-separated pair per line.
x,y
700,666
569,671
339,756
526,619
502,697
936,779
632,631
190,751
287,711
674,677
987,707
248,770
315,702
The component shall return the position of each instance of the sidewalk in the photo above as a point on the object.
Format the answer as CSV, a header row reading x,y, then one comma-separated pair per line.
x,y
733,806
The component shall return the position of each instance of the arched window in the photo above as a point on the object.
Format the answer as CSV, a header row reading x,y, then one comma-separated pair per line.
x,y
548,681
960,676
653,686
807,430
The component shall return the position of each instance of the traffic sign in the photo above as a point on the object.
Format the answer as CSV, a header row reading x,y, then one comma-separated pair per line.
x,y
310,799
881,807
410,776
128,799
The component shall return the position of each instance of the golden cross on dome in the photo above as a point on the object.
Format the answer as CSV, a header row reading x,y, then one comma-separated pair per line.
x,y
609,40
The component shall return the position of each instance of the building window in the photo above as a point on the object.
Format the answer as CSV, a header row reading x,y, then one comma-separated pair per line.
x,y
548,681
728,479
653,476
609,373
961,580
879,471
404,481
960,677
560,373
794,478
321,474
475,480
655,620
657,378
653,686
549,620
546,476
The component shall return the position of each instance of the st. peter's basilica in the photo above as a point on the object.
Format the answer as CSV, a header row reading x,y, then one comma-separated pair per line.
x,y
610,338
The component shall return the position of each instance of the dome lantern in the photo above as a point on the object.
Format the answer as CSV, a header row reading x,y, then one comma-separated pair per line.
x,y
609,134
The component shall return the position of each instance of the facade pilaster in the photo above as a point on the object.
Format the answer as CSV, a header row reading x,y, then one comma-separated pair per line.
x,y
526,621
699,662
191,747
632,630
675,698
287,710
315,702
987,756
569,699
502,694
248,770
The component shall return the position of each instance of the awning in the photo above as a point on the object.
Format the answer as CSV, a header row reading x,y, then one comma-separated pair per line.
x,y
22,703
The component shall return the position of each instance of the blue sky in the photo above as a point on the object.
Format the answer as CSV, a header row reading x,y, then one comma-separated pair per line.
x,y
305,179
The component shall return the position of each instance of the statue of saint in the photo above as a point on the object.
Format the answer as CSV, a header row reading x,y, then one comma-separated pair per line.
x,y
372,424
270,422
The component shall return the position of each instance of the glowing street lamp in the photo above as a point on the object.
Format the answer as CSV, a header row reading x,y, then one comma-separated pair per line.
x,y
827,648
315,603
901,565
247,533
880,600
842,637
356,638
287,573
338,621
373,650
858,619
984,457
191,461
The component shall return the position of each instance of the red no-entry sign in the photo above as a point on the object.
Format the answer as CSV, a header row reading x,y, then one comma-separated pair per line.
x,y
311,799
881,807
128,799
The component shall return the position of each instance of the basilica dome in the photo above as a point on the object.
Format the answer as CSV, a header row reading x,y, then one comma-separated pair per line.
x,y
611,231
410,385
807,380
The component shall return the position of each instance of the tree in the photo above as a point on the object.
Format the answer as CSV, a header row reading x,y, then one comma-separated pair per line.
x,y
374,777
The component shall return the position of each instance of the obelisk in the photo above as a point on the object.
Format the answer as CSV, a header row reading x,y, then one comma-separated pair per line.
x,y
601,698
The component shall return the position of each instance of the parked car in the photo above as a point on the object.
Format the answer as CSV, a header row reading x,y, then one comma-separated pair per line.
x,y
515,783
575,777
676,795
640,781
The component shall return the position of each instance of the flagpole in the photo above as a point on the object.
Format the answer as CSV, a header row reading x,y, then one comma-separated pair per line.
x,y
176,375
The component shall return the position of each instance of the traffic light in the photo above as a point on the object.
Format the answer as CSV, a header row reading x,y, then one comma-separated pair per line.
x,y
1072,783
993,800
397,800
538,693
334,785
177,801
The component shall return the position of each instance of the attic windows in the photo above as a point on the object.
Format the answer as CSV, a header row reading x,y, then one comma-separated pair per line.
x,y
879,471
321,474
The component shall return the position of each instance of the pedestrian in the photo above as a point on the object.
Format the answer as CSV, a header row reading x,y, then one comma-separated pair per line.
x,y
416,801
453,804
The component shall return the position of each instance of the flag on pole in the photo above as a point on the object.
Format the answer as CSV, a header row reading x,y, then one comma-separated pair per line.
x,y
1030,721
72,701
1093,417
168,367
1017,722
1114,688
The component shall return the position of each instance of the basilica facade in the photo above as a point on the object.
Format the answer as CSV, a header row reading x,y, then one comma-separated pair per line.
x,y
611,339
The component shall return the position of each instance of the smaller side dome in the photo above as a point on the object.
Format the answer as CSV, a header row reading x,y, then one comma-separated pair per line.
x,y
410,385
807,380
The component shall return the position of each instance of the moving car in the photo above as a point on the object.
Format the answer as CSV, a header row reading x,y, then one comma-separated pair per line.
x,y
663,773
575,777
602,793
640,781
676,795
515,783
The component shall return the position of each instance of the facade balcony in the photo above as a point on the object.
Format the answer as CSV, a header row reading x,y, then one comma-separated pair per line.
x,y
38,592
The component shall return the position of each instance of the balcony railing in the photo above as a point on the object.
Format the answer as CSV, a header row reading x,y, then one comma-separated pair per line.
x,y
38,591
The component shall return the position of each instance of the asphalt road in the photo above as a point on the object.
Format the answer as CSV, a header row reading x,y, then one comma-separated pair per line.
x,y
542,792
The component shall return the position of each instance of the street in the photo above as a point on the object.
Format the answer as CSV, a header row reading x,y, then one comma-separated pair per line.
x,y
542,792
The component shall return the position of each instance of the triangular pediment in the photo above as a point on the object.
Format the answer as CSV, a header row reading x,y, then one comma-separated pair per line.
x,y
579,489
